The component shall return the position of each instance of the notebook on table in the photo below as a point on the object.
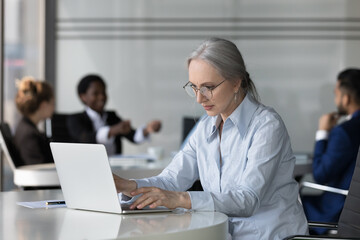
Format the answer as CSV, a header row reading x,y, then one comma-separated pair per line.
x,y
86,179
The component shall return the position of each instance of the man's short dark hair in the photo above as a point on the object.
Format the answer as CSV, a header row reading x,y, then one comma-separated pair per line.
x,y
85,82
349,80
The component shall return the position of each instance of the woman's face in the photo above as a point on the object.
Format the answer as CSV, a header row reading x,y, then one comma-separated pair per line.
x,y
95,97
49,108
222,101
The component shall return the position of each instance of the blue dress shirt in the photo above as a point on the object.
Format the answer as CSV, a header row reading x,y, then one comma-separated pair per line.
x,y
247,174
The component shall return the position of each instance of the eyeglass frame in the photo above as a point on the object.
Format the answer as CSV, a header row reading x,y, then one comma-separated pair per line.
x,y
199,89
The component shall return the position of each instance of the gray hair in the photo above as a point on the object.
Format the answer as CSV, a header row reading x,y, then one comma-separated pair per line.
x,y
226,58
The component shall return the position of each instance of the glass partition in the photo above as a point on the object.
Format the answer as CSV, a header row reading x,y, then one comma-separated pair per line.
x,y
23,55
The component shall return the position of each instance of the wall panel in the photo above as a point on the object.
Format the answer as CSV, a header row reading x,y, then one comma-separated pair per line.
x,y
293,50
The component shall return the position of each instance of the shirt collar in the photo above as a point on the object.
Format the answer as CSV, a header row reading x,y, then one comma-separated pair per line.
x,y
214,125
350,116
240,117
93,115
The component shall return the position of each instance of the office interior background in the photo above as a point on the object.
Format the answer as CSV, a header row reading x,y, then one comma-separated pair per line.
x,y
293,51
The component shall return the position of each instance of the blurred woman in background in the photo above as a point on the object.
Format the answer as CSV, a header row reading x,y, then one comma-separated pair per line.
x,y
35,101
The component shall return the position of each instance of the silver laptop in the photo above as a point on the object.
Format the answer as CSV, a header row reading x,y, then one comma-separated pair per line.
x,y
86,179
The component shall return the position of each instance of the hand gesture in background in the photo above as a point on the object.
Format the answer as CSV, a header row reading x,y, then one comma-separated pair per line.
x,y
123,128
153,126
328,121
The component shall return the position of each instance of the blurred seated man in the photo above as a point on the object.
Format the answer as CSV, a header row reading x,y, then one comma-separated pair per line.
x,y
96,125
336,149
35,101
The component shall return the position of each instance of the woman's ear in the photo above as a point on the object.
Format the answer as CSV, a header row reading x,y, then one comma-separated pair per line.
x,y
237,85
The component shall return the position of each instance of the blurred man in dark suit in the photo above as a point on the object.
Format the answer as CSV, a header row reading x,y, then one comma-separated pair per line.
x,y
336,149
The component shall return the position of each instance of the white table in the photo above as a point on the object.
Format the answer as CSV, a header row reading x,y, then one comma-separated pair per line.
x,y
137,167
140,167
18,222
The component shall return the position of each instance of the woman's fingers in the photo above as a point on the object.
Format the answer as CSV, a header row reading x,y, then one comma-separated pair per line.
x,y
123,185
144,200
141,190
154,197
151,197
155,204
148,200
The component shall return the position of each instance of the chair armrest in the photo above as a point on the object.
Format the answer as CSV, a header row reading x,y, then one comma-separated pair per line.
x,y
323,188
322,225
304,237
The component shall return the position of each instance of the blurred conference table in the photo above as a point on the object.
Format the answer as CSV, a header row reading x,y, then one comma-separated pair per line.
x,y
18,222
142,166
303,164
137,166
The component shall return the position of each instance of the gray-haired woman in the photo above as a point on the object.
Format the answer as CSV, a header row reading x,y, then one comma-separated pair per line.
x,y
241,153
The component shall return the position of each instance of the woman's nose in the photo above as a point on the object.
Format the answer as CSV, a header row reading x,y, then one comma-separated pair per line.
x,y
199,97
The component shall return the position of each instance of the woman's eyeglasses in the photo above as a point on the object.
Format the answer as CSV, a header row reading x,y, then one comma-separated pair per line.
x,y
192,91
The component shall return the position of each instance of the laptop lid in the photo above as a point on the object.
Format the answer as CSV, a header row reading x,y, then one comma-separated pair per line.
x,y
85,177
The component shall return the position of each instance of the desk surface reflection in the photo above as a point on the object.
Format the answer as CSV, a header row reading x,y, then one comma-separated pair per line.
x,y
18,222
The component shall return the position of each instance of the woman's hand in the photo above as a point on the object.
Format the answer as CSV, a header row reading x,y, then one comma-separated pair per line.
x,y
154,197
124,186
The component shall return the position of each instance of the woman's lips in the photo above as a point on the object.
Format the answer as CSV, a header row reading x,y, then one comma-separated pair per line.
x,y
208,108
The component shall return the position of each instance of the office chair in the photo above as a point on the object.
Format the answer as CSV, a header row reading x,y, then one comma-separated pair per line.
x,y
36,176
188,123
57,129
348,226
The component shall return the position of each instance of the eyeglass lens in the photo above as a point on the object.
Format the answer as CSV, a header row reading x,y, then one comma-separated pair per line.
x,y
191,91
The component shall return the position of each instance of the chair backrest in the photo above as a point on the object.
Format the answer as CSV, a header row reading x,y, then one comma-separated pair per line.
x,y
349,222
8,147
59,129
187,125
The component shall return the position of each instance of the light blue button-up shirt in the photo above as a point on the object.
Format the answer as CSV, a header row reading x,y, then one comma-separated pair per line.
x,y
247,174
